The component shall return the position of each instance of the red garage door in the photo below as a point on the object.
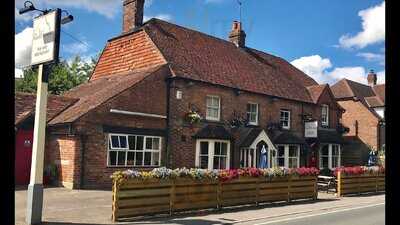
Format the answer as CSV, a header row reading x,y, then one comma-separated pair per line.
x,y
23,155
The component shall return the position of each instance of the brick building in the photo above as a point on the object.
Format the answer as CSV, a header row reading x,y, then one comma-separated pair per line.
x,y
134,111
364,116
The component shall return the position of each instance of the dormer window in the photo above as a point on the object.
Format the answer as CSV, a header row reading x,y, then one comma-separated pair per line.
x,y
325,115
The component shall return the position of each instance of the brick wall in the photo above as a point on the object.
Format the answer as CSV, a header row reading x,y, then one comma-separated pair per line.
x,y
116,58
367,122
182,145
148,96
64,152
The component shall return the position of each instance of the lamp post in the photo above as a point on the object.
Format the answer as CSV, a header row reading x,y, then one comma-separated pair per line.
x,y
45,51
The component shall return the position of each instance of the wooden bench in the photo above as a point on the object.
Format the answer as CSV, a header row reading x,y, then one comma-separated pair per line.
x,y
327,183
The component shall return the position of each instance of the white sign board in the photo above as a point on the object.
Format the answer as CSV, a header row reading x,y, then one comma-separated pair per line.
x,y
311,129
44,40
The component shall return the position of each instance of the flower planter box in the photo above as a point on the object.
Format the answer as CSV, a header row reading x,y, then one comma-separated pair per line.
x,y
136,197
357,184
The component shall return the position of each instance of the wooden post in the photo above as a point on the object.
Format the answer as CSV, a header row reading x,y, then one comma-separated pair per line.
x,y
172,198
115,190
257,190
219,191
339,184
316,189
289,186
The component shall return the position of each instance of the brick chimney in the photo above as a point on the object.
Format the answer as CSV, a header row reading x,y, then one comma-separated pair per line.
x,y
372,78
133,14
237,35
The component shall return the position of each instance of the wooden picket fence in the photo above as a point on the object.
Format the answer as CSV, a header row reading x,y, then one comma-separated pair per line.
x,y
141,197
357,184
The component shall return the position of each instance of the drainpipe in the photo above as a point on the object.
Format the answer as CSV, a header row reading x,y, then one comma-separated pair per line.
x,y
167,152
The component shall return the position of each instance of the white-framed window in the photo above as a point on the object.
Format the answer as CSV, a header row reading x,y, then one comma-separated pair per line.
x,y
134,150
212,154
288,156
330,156
252,113
213,108
285,119
325,115
247,158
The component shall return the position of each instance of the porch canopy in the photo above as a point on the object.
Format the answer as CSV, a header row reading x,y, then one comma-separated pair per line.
x,y
287,137
327,136
213,132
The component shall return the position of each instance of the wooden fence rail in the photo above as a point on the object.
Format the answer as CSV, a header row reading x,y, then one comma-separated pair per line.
x,y
141,197
357,184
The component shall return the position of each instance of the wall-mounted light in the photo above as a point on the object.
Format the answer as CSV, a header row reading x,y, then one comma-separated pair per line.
x,y
67,19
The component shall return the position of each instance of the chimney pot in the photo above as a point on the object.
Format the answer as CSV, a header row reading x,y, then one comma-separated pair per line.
x,y
132,14
372,78
237,35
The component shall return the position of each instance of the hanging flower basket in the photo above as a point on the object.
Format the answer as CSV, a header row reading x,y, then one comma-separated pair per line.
x,y
193,117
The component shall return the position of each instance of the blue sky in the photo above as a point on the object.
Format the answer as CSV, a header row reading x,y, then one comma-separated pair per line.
x,y
328,40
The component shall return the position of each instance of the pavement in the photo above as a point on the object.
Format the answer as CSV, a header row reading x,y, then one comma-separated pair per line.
x,y
88,207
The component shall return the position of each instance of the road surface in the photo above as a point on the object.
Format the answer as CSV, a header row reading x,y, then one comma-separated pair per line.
x,y
365,215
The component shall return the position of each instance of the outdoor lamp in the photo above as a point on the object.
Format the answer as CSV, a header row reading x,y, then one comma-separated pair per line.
x,y
67,19
27,8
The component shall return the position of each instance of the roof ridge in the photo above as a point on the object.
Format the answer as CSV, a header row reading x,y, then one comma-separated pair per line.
x,y
186,28
348,87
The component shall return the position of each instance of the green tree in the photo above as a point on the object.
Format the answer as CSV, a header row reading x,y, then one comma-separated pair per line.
x,y
63,76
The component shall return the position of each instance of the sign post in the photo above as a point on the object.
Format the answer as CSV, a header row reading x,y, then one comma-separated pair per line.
x,y
45,49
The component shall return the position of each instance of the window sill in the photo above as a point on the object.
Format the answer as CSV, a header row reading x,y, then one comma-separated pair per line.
x,y
131,167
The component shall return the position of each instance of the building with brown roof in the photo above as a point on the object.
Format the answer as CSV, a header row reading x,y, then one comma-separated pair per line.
x,y
364,116
166,95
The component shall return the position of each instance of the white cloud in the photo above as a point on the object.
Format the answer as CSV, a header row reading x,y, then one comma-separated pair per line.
x,y
381,77
76,48
357,74
321,70
107,8
165,17
373,57
23,47
373,28
314,66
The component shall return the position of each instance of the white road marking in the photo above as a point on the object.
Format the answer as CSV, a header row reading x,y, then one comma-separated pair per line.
x,y
319,214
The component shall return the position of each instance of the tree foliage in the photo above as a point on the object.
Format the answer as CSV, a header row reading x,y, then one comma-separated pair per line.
x,y
62,77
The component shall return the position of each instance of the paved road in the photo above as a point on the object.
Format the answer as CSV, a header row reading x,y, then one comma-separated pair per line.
x,y
365,215
91,207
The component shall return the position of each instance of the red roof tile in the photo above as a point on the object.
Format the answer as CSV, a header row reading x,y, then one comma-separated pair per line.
x,y
316,91
25,105
373,96
380,91
201,57
95,92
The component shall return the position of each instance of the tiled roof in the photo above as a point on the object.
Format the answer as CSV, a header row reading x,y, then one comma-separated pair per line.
x,y
211,131
374,101
380,91
316,91
373,96
247,136
198,56
97,91
25,105
286,137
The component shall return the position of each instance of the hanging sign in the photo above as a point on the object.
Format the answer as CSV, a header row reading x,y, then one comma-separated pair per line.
x,y
311,129
46,36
